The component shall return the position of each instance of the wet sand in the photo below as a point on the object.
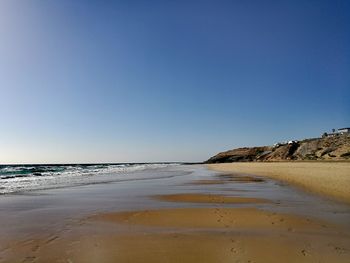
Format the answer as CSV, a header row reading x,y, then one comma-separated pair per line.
x,y
326,178
231,218
231,235
210,199
193,235
229,178
177,219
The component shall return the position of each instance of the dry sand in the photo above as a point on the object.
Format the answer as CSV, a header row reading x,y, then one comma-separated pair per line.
x,y
331,179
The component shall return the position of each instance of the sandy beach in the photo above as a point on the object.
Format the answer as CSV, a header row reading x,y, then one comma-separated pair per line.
x,y
331,179
174,131
194,215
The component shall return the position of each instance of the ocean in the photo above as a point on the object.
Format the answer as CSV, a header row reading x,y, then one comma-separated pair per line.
x,y
18,178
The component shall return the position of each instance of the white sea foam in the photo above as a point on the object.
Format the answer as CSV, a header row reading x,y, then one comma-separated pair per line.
x,y
26,178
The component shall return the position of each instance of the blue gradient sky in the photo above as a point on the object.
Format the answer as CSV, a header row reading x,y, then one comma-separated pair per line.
x,y
135,81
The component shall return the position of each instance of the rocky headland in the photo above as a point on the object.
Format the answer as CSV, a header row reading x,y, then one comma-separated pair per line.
x,y
335,148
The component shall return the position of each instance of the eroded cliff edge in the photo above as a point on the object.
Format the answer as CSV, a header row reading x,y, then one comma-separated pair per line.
x,y
327,148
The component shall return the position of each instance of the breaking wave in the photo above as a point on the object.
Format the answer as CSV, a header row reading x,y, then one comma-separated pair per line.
x,y
15,178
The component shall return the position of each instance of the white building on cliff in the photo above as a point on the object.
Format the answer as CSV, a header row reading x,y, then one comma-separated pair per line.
x,y
344,130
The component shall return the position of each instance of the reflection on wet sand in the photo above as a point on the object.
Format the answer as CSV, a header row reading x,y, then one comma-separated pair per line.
x,y
210,199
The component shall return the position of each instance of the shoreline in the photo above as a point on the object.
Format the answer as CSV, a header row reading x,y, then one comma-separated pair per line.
x,y
195,215
329,179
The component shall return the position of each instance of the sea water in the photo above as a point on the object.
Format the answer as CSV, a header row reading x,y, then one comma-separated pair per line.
x,y
18,178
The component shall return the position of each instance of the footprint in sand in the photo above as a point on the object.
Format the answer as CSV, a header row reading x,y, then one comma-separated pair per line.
x,y
35,248
339,250
29,259
51,239
233,250
4,248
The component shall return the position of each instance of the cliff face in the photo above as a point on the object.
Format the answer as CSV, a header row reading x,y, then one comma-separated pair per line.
x,y
329,148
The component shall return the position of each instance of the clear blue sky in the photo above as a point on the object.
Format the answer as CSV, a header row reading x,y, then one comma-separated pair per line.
x,y
134,81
